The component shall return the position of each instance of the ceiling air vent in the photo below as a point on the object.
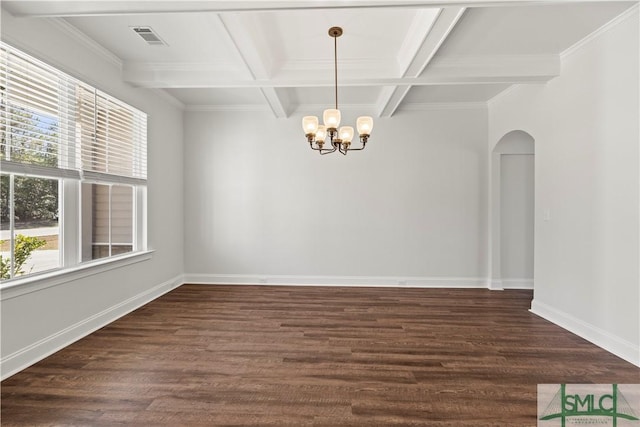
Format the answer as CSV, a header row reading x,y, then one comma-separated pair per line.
x,y
149,36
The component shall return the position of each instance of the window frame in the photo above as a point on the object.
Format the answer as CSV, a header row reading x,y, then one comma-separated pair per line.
x,y
71,174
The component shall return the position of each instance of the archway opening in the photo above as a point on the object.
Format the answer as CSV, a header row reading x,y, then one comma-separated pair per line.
x,y
512,212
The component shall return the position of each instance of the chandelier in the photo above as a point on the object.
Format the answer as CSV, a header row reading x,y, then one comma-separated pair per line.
x,y
339,138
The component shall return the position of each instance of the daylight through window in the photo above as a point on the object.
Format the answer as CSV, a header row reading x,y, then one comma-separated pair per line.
x,y
73,172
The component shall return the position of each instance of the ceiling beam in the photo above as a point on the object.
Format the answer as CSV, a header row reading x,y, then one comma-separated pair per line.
x,y
460,70
275,102
436,34
70,8
169,79
440,30
255,55
390,100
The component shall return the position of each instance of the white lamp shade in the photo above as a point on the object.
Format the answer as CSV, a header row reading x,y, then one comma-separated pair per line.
x,y
321,134
346,133
365,125
310,124
331,118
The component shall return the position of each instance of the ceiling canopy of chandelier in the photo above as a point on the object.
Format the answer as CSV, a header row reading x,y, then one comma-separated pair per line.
x,y
339,138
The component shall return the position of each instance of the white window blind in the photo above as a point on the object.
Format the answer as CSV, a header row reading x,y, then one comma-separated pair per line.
x,y
36,117
113,139
54,125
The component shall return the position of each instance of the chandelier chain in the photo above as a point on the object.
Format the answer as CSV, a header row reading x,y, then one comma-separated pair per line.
x,y
335,66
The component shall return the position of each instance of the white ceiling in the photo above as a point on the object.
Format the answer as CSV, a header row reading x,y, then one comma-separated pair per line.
x,y
277,55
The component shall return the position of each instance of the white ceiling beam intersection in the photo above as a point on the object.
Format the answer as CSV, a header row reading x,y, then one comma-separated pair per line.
x,y
255,57
433,38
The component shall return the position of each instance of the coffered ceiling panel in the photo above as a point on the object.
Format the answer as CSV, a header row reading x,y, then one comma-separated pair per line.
x,y
190,37
277,55
370,37
527,30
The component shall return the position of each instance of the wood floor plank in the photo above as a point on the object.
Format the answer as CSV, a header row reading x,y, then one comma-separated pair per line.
x,y
311,356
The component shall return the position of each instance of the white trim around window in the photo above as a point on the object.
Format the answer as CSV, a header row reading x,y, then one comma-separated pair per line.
x,y
36,282
57,128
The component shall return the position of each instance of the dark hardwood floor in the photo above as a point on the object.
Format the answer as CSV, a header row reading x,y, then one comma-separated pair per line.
x,y
258,355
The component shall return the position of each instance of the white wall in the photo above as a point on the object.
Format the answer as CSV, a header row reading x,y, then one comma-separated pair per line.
x,y
39,322
261,206
516,228
586,131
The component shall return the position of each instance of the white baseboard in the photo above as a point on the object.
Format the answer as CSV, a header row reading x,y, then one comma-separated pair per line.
x,y
612,343
502,284
365,281
25,357
517,283
495,284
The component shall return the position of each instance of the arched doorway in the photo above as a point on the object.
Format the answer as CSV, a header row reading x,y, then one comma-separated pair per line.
x,y
511,237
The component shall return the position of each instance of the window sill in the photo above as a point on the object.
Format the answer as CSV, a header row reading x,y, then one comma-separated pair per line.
x,y
17,287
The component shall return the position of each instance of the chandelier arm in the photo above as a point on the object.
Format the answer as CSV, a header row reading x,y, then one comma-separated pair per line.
x,y
364,144
328,151
323,150
320,149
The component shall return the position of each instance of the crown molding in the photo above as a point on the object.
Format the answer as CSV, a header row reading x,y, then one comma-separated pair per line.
x,y
86,41
576,47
